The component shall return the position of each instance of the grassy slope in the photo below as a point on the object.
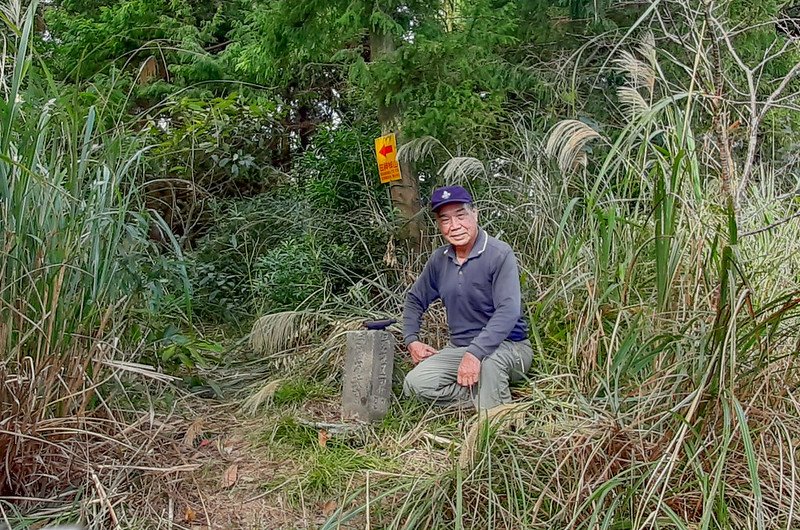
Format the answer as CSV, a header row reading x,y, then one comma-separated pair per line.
x,y
665,324
664,319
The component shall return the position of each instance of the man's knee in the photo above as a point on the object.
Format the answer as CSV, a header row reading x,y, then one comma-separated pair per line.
x,y
494,379
509,365
418,383
492,368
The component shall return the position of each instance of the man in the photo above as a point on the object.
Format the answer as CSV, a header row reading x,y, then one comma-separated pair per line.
x,y
477,279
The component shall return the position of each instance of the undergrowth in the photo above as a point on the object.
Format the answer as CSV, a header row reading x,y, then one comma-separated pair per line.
x,y
663,306
659,259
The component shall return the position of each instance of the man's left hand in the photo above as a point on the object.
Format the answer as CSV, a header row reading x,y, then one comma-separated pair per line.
x,y
469,370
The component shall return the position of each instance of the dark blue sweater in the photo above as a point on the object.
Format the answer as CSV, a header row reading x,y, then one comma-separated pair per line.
x,y
481,296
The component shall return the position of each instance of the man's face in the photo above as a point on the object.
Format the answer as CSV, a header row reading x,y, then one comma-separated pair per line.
x,y
458,224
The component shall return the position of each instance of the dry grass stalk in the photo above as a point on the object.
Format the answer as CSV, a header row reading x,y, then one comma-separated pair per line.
x,y
489,420
261,397
639,72
277,332
12,10
566,142
647,49
634,105
461,168
418,149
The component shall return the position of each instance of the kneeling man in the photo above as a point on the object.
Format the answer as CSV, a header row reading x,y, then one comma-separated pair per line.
x,y
477,279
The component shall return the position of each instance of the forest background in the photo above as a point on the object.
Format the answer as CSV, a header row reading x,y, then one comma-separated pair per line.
x,y
192,221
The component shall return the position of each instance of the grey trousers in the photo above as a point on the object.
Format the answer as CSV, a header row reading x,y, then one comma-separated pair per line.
x,y
435,378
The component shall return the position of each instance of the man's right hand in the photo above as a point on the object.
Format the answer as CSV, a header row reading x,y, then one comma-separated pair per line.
x,y
420,351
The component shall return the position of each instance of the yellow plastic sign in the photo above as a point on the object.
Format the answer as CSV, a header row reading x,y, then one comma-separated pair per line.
x,y
386,154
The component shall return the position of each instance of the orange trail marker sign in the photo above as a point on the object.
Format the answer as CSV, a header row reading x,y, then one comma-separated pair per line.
x,y
386,154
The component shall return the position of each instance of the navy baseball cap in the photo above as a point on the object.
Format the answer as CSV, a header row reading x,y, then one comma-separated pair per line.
x,y
448,195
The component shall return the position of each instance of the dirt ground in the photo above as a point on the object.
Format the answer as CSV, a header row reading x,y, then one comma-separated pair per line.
x,y
237,484
242,482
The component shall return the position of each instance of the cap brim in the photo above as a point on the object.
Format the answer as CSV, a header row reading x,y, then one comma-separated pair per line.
x,y
450,201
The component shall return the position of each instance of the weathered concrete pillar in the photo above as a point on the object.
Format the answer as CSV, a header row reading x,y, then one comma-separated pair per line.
x,y
368,366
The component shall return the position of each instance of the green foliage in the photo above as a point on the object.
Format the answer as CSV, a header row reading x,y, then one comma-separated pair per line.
x,y
337,170
298,391
323,470
176,349
289,276
451,85
449,82
329,468
86,37
226,146
752,13
288,431
299,244
664,320
70,204
222,267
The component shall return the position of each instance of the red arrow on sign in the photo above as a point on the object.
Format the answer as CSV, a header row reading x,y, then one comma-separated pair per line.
x,y
385,150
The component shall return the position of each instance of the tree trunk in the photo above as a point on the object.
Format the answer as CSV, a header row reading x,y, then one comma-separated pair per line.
x,y
404,192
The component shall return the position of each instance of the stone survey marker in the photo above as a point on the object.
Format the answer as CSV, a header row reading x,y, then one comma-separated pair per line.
x,y
368,366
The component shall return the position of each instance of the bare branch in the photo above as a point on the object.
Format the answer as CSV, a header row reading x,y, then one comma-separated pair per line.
x,y
721,33
769,58
788,97
770,227
786,107
777,92
737,32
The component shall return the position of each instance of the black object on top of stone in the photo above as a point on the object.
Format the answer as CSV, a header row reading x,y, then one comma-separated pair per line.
x,y
379,324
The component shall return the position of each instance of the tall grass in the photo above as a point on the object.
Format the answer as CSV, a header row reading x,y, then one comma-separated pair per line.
x,y
665,320
70,267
